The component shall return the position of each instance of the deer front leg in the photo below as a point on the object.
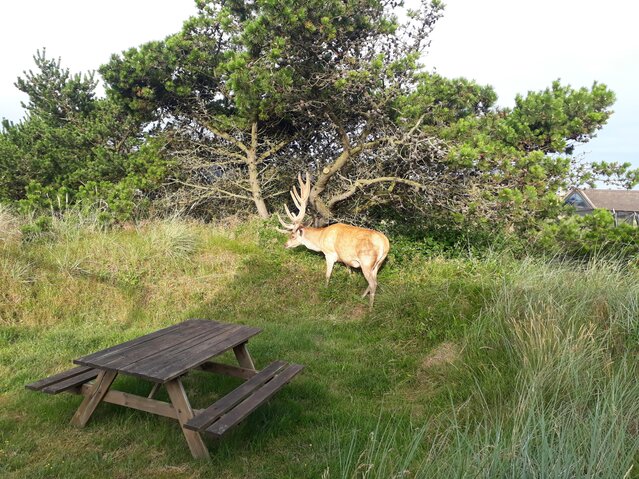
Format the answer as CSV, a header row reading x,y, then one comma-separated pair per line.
x,y
330,262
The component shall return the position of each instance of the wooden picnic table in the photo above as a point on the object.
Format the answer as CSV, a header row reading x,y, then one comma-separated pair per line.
x,y
163,357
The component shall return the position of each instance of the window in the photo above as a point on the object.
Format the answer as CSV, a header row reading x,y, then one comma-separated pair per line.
x,y
577,201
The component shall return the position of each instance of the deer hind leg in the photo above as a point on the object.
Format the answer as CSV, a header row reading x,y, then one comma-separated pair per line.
x,y
367,274
370,273
372,286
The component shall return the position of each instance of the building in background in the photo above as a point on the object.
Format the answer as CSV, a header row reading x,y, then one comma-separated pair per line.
x,y
623,204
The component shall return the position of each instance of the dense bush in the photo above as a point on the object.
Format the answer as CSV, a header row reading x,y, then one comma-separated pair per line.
x,y
593,235
73,148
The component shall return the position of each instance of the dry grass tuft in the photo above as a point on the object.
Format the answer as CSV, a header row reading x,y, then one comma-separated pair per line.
x,y
9,226
173,239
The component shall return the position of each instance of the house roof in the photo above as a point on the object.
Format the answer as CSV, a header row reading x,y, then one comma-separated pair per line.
x,y
618,200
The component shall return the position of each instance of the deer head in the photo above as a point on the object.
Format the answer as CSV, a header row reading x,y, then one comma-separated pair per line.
x,y
295,229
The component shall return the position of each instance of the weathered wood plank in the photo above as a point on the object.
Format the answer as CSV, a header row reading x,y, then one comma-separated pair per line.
x,y
222,406
172,366
184,413
227,370
242,410
151,364
119,348
92,400
71,382
243,357
38,385
117,359
168,345
170,352
199,354
154,389
133,401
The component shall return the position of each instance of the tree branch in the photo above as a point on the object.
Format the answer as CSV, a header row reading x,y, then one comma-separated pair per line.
x,y
274,149
210,190
362,183
227,137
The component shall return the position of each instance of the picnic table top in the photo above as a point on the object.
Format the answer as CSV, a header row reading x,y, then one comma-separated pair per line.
x,y
170,352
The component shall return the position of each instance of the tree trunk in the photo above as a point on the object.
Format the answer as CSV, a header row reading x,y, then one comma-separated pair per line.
x,y
256,191
322,180
322,210
254,181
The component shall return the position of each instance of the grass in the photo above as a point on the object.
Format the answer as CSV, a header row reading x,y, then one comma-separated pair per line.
x,y
467,367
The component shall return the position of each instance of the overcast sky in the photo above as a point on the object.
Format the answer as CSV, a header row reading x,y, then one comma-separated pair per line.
x,y
515,46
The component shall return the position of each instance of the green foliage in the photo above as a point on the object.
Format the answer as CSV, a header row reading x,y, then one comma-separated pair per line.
x,y
554,119
39,228
514,161
442,102
620,174
257,91
408,250
72,147
592,235
233,62
247,94
54,94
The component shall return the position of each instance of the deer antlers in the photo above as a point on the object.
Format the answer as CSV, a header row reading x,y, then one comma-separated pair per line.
x,y
301,200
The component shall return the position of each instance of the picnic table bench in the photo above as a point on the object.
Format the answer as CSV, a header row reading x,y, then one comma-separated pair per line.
x,y
163,357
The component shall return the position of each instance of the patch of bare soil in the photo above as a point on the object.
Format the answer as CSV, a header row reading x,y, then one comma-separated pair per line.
x,y
428,377
359,311
445,353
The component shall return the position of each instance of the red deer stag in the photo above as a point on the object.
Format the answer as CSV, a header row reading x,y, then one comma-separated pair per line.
x,y
351,245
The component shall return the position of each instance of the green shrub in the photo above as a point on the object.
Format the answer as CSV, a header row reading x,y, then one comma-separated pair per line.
x,y
593,235
37,229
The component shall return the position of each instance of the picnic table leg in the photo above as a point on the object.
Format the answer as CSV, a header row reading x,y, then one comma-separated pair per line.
x,y
243,356
93,398
154,389
184,413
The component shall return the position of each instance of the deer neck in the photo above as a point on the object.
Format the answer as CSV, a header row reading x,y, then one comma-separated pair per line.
x,y
311,238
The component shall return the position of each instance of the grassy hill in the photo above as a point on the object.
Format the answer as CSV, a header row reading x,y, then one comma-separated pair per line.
x,y
467,367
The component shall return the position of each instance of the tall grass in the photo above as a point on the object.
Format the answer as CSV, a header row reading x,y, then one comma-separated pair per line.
x,y
9,225
174,239
566,335
387,451
77,268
